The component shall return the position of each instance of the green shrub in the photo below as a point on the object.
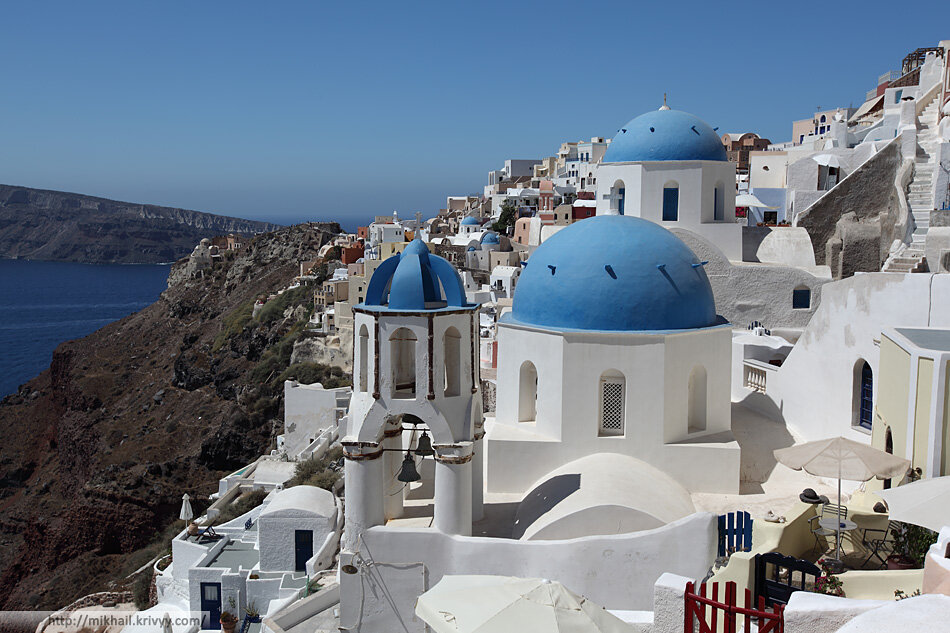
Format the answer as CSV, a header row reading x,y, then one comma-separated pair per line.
x,y
274,309
233,324
317,472
141,588
245,503
309,373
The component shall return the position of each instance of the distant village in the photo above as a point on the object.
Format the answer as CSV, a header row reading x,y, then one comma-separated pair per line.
x,y
678,379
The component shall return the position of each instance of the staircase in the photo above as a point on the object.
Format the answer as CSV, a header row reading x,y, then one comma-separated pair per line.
x,y
920,194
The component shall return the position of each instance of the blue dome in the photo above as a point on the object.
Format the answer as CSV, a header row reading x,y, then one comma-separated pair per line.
x,y
490,238
469,220
415,280
614,272
665,135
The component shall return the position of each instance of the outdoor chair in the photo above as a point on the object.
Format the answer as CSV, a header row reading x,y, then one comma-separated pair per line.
x,y
208,533
827,510
880,541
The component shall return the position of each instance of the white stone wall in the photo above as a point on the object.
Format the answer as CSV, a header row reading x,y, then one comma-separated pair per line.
x,y
656,368
845,328
617,572
277,543
308,411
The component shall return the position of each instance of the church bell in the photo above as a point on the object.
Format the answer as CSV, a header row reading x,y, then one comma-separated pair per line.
x,y
424,446
408,472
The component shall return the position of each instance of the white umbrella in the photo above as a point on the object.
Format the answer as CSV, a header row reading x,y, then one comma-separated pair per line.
x,y
498,604
167,621
828,160
925,502
186,514
749,200
844,459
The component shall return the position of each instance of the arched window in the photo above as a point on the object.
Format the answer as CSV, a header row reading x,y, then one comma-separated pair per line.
x,y
612,390
402,345
863,394
452,343
671,202
823,119
618,196
801,298
696,398
719,202
528,393
364,356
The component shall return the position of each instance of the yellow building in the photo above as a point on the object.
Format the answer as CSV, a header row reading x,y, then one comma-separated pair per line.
x,y
912,418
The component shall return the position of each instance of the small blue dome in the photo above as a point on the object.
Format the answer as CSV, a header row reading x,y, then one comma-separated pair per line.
x,y
471,249
469,220
614,272
490,238
665,135
415,280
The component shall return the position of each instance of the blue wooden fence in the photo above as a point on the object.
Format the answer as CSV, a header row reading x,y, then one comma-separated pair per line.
x,y
735,532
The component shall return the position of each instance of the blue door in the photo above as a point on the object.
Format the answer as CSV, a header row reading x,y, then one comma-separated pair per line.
x,y
622,194
211,605
303,549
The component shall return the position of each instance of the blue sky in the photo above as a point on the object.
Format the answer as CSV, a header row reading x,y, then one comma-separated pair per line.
x,y
293,111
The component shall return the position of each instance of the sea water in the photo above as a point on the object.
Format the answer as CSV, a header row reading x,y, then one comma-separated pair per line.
x,y
43,304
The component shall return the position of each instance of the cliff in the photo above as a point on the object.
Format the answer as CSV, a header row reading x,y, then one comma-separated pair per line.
x,y
96,452
58,226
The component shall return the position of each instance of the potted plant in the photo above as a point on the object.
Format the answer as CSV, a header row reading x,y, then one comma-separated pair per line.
x,y
911,543
828,583
253,615
228,622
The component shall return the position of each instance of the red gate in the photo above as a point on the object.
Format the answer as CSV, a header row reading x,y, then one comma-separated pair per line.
x,y
768,619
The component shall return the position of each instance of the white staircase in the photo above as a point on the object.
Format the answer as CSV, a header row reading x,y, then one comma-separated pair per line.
x,y
919,194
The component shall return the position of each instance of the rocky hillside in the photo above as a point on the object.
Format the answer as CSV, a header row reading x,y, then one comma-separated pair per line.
x,y
96,452
70,227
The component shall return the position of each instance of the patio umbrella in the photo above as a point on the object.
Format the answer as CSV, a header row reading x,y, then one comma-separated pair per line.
x,y
186,514
749,200
828,160
498,604
925,502
844,459
167,622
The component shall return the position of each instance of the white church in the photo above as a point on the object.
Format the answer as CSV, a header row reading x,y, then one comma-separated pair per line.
x,y
670,167
613,407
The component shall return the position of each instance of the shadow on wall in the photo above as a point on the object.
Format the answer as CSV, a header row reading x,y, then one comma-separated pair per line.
x,y
542,499
758,436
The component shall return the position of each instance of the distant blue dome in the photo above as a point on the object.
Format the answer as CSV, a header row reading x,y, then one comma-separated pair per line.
x,y
490,238
614,272
469,220
665,135
415,280
471,248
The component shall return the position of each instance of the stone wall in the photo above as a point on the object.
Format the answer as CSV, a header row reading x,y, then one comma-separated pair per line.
x,y
867,196
755,292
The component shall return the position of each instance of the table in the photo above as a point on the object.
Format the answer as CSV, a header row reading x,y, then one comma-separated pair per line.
x,y
838,526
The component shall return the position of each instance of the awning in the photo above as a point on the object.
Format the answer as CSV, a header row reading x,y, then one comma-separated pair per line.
x,y
828,160
866,108
748,200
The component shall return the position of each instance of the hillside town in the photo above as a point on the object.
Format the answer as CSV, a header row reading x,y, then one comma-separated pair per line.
x,y
673,380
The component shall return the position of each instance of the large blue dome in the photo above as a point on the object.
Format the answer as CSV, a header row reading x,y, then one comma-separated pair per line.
x,y
665,135
614,272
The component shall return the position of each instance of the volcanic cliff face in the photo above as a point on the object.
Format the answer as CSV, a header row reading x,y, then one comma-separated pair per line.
x,y
96,452
57,226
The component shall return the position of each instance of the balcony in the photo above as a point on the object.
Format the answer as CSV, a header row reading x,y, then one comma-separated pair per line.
x,y
755,374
